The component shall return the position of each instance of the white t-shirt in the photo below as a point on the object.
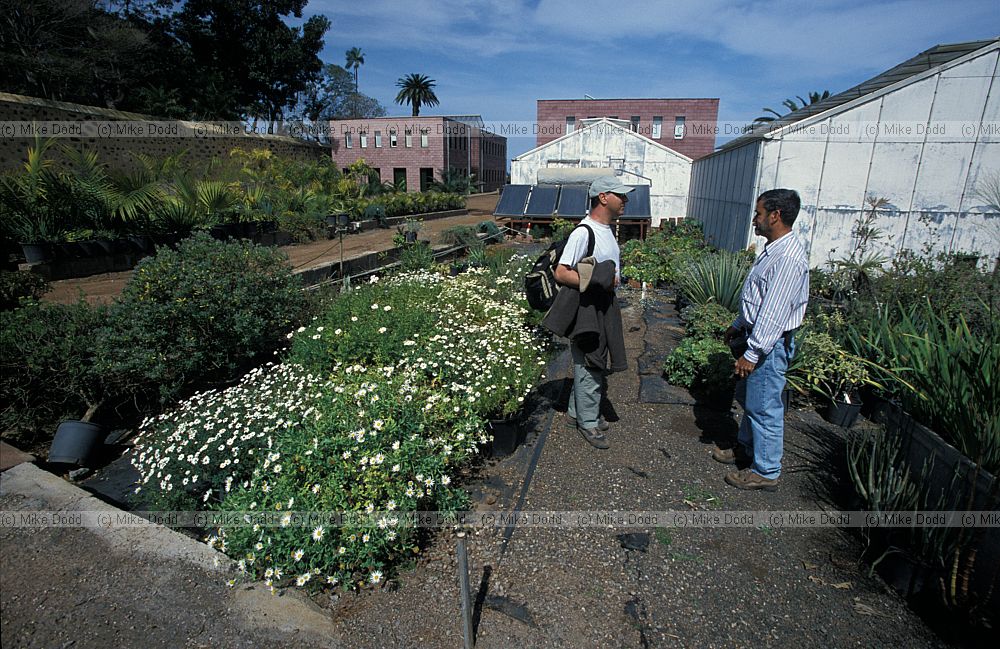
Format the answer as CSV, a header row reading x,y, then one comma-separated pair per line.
x,y
605,246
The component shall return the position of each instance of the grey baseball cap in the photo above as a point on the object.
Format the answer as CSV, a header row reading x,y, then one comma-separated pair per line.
x,y
608,185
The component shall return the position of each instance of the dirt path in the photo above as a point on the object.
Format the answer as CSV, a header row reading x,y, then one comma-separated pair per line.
x,y
106,286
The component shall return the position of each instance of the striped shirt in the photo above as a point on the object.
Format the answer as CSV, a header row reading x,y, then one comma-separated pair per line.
x,y
774,295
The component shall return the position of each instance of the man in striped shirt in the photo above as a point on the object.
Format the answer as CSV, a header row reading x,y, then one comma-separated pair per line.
x,y
772,305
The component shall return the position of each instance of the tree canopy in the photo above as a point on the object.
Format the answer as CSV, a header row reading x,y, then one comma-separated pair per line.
x,y
202,59
416,90
814,97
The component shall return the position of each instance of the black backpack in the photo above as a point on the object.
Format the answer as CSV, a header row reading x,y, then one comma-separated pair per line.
x,y
540,285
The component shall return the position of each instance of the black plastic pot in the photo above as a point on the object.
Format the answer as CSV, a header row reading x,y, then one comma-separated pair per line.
x,y
76,442
36,253
506,434
841,413
410,237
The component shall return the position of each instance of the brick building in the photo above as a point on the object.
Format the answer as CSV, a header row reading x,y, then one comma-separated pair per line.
x,y
688,126
417,149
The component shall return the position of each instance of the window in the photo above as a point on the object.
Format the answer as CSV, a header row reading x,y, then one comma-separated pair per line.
x,y
392,137
679,127
423,137
348,141
378,139
363,136
399,177
635,123
657,127
408,138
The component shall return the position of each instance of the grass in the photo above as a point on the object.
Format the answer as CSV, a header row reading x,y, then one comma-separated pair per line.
x,y
663,536
696,494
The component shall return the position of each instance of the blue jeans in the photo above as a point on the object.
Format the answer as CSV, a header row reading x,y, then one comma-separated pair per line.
x,y
762,428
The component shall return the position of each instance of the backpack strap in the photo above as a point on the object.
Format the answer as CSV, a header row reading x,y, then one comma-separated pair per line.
x,y
590,239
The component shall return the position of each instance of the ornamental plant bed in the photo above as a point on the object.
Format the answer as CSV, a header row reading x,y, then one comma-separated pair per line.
x,y
381,400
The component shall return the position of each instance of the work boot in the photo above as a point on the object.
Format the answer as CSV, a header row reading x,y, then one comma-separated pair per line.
x,y
747,479
595,437
602,423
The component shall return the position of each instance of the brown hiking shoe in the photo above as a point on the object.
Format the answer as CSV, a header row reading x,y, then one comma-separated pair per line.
x,y
735,455
747,479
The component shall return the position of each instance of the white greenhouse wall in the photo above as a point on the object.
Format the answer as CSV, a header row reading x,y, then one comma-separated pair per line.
x,y
603,144
877,146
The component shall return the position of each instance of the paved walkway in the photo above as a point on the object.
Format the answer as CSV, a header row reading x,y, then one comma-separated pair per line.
x,y
534,586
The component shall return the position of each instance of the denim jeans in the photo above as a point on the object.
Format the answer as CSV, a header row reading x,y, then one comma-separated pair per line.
x,y
585,398
762,428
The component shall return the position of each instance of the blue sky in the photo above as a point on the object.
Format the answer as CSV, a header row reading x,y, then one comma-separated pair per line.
x,y
497,57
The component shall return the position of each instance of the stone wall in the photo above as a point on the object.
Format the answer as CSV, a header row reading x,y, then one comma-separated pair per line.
x,y
16,111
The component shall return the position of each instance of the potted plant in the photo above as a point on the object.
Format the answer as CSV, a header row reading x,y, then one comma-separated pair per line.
x,y
823,366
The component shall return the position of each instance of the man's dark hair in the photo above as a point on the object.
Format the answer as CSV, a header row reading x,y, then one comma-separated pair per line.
x,y
595,201
786,200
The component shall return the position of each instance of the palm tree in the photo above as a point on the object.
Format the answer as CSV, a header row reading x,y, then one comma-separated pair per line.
x,y
355,59
814,97
417,90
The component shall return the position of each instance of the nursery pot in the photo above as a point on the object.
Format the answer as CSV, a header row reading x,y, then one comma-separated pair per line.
x,y
36,253
410,237
841,413
75,442
506,434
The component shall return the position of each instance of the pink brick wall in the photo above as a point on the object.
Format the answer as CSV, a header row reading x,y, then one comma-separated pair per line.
x,y
449,144
700,115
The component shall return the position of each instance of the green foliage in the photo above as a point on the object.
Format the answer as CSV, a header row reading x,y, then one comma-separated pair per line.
x,y
561,229
198,312
416,90
17,285
701,364
382,401
461,235
47,367
454,181
369,324
664,254
708,320
716,277
822,365
412,203
949,377
416,256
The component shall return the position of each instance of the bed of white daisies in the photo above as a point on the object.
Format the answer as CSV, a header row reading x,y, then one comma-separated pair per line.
x,y
377,427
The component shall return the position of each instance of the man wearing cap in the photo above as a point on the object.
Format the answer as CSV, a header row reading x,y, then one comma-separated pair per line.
x,y
772,305
608,197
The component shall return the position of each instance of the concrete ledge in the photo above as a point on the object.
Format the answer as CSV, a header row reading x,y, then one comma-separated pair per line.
x,y
43,491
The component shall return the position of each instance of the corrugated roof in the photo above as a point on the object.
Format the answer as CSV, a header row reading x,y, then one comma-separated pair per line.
x,y
927,60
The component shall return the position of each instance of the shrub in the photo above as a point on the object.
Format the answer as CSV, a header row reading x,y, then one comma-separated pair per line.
x,y
367,325
47,367
709,320
664,254
379,405
701,364
822,365
18,284
198,313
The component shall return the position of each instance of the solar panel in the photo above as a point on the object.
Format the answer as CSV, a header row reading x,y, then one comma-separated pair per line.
x,y
512,200
573,201
638,203
543,200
